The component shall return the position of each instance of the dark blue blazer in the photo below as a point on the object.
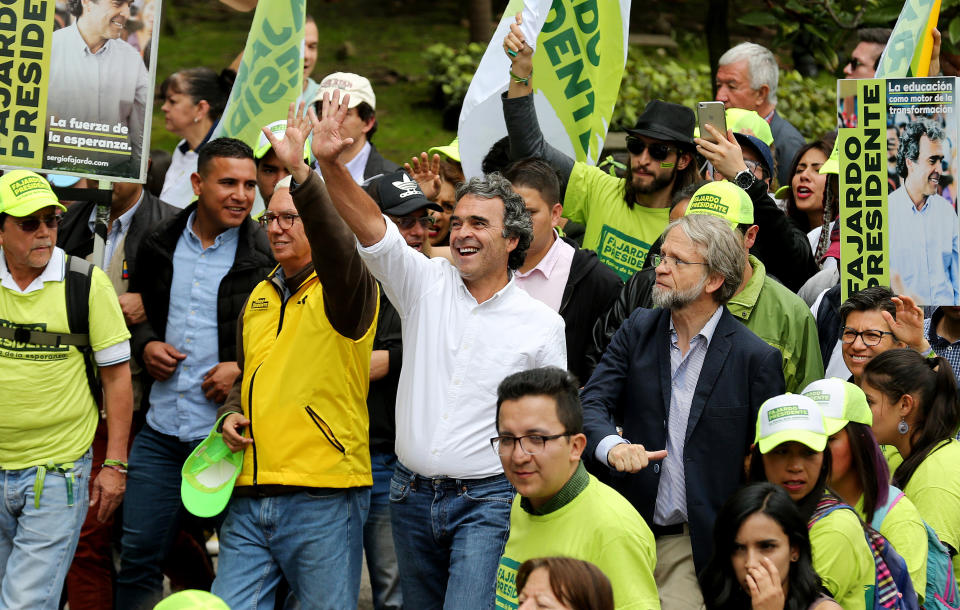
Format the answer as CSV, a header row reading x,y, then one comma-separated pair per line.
x,y
631,386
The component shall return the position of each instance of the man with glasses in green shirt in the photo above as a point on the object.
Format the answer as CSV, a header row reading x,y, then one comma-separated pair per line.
x,y
560,509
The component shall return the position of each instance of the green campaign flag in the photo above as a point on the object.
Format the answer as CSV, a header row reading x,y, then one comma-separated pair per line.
x,y
908,51
271,73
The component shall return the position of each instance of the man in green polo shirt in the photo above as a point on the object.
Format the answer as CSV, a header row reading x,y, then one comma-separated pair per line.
x,y
560,509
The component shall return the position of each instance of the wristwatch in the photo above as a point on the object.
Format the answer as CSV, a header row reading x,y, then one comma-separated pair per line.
x,y
745,179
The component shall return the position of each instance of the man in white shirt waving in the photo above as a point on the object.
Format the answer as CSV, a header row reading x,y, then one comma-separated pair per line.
x,y
466,326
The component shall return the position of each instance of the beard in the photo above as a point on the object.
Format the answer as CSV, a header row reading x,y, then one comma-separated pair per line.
x,y
668,298
659,183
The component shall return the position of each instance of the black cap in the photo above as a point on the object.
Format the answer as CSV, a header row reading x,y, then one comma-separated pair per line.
x,y
665,121
398,194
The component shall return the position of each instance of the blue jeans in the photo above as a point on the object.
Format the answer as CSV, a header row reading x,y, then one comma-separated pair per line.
x,y
313,537
152,511
378,537
37,544
449,535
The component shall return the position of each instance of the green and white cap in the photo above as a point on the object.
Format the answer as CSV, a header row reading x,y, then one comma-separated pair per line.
x,y
208,475
192,599
723,199
279,129
840,402
790,417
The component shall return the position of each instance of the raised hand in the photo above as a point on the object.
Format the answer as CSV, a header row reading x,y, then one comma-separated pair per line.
x,y
289,149
908,325
516,47
427,174
328,142
724,154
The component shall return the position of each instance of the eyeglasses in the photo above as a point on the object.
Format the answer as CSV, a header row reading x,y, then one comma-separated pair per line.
x,y
284,220
32,223
869,337
658,151
530,444
406,222
671,261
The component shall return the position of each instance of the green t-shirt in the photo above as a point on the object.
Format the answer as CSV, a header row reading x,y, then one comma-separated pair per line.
x,y
934,489
843,559
47,412
620,236
904,529
599,526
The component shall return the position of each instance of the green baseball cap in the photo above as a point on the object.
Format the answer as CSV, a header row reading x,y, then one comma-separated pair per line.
x,y
840,402
279,129
723,199
23,192
450,151
832,164
208,475
192,599
790,417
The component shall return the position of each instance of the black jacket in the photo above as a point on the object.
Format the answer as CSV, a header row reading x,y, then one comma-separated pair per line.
x,y
377,164
382,398
76,239
632,385
252,263
637,292
591,289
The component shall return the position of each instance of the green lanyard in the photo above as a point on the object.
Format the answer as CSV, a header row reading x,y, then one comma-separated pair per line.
x,y
65,469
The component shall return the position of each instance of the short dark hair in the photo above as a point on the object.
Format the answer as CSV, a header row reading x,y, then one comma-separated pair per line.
x,y
230,148
366,112
874,35
686,192
535,174
76,6
3,219
201,84
498,157
558,384
575,582
516,219
910,141
874,298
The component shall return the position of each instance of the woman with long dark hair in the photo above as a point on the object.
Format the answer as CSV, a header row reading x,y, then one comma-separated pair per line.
x,y
916,409
860,477
791,451
761,555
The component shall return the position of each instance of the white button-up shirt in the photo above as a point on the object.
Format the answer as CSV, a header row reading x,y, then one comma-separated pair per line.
x,y
456,352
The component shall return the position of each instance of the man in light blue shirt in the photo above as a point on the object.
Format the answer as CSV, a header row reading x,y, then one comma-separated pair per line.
x,y
924,242
195,273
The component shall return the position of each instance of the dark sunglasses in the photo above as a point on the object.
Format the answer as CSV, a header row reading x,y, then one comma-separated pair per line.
x,y
854,63
658,151
32,223
406,222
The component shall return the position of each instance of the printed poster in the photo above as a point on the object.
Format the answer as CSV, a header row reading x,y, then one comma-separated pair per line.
x,y
898,195
76,86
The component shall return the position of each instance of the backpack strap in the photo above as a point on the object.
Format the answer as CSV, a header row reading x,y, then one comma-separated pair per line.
x,y
881,512
78,280
827,504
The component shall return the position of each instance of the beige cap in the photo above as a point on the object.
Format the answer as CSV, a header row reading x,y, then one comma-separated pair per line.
x,y
357,86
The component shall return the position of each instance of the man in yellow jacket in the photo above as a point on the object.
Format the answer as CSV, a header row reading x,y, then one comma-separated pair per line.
x,y
298,412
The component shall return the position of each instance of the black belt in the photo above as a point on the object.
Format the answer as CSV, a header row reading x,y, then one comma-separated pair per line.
x,y
666,530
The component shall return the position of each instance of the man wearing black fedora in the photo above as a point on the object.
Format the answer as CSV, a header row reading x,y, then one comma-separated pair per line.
x,y
623,216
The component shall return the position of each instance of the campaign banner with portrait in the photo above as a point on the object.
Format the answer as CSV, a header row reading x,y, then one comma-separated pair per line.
x,y
898,196
76,86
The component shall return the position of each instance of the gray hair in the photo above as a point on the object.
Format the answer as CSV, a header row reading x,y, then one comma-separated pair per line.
x,y
720,248
910,141
761,64
516,219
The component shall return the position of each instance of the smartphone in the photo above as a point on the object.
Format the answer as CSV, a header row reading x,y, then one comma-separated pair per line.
x,y
711,113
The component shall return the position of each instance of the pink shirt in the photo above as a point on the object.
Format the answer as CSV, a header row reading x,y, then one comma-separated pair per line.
x,y
546,281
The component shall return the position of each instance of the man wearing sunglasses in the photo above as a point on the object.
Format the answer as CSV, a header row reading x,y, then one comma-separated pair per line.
x,y
49,413
560,509
304,353
865,57
924,241
623,216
